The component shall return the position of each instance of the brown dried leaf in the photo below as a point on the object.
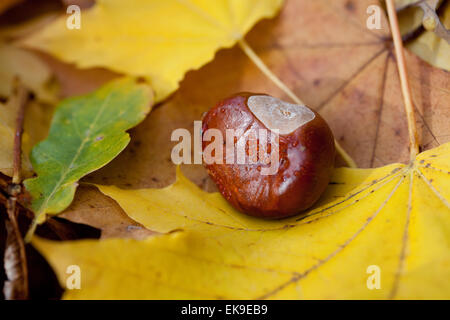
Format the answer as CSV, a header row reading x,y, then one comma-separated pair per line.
x,y
14,287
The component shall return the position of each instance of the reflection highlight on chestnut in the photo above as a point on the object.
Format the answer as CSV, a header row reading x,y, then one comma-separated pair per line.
x,y
304,158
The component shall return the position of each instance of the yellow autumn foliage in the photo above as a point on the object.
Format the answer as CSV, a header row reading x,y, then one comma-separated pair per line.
x,y
394,220
147,37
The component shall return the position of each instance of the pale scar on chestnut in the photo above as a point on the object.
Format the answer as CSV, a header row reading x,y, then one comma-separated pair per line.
x,y
279,115
304,164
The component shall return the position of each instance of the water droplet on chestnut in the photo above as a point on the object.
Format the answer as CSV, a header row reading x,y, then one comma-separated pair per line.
x,y
305,155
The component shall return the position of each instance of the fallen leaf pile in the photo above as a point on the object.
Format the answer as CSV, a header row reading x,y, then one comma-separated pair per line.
x,y
174,240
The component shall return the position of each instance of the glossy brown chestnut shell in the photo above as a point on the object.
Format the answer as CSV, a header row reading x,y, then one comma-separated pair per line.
x,y
306,160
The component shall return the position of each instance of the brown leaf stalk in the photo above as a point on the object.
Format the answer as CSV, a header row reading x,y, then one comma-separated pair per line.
x,y
21,95
280,84
406,90
15,261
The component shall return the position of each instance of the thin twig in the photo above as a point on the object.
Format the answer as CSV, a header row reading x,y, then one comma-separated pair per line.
x,y
20,94
280,84
406,90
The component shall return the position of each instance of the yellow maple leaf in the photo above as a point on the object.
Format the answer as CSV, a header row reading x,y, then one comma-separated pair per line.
x,y
376,233
160,40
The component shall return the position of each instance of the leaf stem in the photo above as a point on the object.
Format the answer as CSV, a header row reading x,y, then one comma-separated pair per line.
x,y
20,96
348,160
263,67
406,90
280,84
31,230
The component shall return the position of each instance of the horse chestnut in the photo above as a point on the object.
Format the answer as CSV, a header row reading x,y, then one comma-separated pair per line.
x,y
303,162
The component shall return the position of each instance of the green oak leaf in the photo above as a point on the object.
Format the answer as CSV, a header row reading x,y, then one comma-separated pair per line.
x,y
86,133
